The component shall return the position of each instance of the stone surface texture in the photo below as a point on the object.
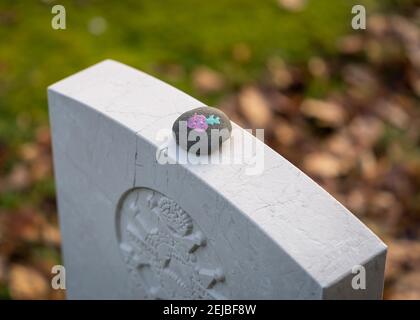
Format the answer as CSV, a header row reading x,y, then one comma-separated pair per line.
x,y
133,228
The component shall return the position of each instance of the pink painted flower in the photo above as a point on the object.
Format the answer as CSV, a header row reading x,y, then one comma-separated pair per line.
x,y
197,122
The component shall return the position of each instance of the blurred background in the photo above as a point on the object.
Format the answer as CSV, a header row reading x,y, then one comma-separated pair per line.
x,y
341,104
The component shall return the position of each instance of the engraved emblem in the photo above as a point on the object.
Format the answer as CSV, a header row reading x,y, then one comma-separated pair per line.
x,y
165,251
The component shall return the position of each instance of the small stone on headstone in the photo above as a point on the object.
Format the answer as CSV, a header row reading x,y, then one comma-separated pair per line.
x,y
204,129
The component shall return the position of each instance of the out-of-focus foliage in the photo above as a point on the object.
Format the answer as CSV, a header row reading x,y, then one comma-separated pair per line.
x,y
342,105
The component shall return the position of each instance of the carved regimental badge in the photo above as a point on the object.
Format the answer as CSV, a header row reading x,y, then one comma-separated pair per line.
x,y
166,253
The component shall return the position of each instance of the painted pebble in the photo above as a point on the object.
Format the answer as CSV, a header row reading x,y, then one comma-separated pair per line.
x,y
202,130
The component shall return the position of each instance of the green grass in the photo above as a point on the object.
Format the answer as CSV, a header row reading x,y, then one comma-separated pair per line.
x,y
149,35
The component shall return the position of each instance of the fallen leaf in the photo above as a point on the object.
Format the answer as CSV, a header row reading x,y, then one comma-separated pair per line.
x,y
254,107
361,77
383,200
407,287
318,67
280,73
341,145
356,202
328,113
393,113
322,164
207,80
368,165
43,136
19,178
350,44
30,151
41,168
383,51
24,225
292,5
366,131
51,234
377,25
284,133
408,31
402,255
27,283
385,205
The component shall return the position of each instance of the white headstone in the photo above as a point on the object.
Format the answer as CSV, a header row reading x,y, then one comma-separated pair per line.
x,y
133,228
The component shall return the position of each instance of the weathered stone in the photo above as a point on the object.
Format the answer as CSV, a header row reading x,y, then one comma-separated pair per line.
x,y
133,228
